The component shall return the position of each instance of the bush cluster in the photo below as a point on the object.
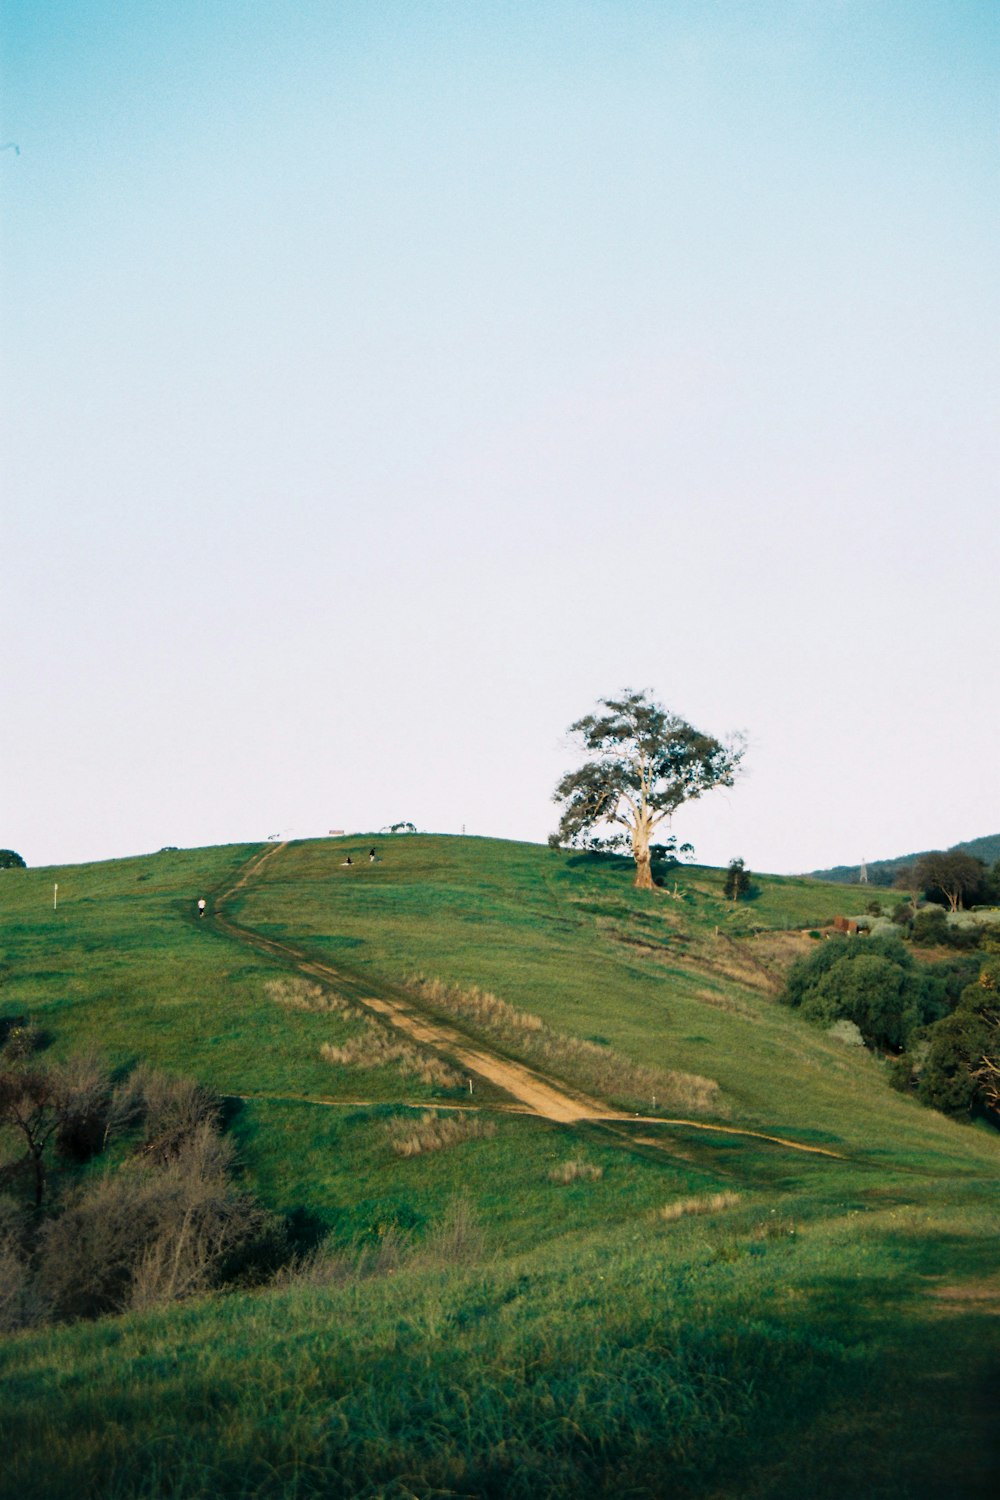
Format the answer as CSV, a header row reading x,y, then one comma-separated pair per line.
x,y
878,984
159,1218
961,1071
939,1023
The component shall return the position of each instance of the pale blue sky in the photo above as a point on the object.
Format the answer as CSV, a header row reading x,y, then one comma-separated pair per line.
x,y
383,383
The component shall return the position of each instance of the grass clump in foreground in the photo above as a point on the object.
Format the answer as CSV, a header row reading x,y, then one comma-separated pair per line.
x,y
699,1362
592,1066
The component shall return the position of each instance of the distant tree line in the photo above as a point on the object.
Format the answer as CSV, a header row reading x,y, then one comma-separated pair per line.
x,y
884,872
951,878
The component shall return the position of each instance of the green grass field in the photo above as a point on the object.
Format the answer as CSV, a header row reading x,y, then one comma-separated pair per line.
x,y
830,1330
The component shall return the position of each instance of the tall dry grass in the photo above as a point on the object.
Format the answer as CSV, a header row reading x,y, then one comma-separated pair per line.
x,y
377,1047
456,1240
433,1132
600,1070
299,994
706,1203
576,1170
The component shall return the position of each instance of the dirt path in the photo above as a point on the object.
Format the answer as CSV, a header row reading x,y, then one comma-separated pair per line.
x,y
532,1092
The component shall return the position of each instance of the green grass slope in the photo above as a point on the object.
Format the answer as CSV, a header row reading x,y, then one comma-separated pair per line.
x,y
794,1337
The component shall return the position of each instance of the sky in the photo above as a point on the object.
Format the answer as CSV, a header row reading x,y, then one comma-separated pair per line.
x,y
386,383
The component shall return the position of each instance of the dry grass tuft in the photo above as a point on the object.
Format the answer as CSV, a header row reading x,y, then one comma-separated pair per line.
x,y
575,1171
478,1005
299,994
708,1203
433,1132
598,1069
376,1047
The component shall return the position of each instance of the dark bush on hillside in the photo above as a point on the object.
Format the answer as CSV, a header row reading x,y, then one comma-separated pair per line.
x,y
174,1109
19,1304
83,1124
737,881
962,1071
10,860
167,1221
874,982
150,1233
19,1038
931,929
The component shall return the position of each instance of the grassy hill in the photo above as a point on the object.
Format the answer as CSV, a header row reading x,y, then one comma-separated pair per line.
x,y
884,871
751,1283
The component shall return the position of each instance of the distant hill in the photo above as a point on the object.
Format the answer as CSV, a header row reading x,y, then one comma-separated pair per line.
x,y
884,871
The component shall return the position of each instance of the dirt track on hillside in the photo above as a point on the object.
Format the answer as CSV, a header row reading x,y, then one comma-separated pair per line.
x,y
532,1092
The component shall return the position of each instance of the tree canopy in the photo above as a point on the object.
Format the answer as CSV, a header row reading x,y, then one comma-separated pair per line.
x,y
10,860
954,874
643,763
737,881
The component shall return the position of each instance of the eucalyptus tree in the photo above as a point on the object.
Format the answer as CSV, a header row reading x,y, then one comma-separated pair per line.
x,y
642,763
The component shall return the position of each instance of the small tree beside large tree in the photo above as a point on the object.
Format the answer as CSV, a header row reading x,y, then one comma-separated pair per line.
x,y
643,763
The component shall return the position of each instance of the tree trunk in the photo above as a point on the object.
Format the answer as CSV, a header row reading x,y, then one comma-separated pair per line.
x,y
643,864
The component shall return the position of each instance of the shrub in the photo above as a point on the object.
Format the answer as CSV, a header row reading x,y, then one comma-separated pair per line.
x,y
957,1044
174,1109
153,1231
847,1032
930,927
737,881
875,982
20,1038
20,1305
83,1125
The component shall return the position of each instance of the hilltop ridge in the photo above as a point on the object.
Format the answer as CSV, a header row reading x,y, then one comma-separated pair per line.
x,y
884,871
